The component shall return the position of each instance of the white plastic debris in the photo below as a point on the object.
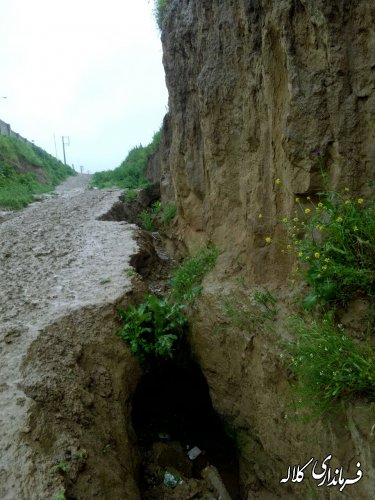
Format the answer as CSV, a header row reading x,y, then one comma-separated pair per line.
x,y
194,453
171,480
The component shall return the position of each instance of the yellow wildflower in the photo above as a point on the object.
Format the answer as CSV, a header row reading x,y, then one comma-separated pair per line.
x,y
300,254
307,210
360,201
320,205
317,255
268,239
295,219
260,216
277,181
339,219
327,259
285,219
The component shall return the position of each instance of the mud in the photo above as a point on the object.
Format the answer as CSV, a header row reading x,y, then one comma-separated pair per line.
x,y
65,379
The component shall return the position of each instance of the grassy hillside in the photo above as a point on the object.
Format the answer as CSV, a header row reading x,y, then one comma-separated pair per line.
x,y
130,174
26,170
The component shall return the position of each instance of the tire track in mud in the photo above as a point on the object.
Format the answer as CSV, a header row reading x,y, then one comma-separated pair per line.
x,y
62,273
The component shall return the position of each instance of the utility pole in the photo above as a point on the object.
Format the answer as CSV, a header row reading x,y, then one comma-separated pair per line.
x,y
81,167
65,142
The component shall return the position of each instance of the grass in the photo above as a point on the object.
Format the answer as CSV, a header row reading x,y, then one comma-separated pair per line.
x,y
251,311
328,365
26,170
186,278
169,211
131,173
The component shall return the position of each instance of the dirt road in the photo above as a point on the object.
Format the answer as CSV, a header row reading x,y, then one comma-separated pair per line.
x,y
56,258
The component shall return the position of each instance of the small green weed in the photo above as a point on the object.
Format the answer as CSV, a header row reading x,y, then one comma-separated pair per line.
x,y
168,213
186,279
61,467
249,312
131,195
328,365
153,328
147,219
60,495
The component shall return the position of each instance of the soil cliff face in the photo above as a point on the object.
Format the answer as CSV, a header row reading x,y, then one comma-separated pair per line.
x,y
263,90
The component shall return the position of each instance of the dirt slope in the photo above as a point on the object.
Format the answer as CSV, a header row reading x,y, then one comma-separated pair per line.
x,y
62,272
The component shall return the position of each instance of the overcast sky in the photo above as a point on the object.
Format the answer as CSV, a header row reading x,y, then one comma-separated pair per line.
x,y
88,69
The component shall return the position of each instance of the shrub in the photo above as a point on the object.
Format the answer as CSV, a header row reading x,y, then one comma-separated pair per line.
x,y
337,250
328,364
153,328
186,279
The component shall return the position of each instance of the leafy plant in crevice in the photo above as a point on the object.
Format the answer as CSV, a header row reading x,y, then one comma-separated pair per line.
x,y
328,364
157,215
154,329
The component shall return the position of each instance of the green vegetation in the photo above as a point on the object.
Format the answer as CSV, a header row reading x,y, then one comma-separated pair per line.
x,y
131,195
160,11
337,250
329,365
61,467
131,172
60,495
169,211
147,219
153,329
331,235
186,278
26,170
158,215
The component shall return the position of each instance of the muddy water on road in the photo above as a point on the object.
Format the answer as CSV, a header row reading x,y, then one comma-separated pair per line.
x,y
56,259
